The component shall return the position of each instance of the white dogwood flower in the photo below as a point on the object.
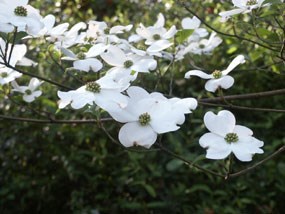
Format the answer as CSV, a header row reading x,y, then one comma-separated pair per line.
x,y
127,65
148,115
21,15
218,78
225,137
29,92
86,61
100,92
156,36
242,6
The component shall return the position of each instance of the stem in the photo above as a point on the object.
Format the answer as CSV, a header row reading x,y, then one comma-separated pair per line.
x,y
53,121
190,163
222,33
37,76
236,174
244,96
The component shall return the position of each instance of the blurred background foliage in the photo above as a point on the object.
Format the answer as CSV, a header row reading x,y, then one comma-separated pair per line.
x,y
76,168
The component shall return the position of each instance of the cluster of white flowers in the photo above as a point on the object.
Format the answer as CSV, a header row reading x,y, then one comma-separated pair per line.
x,y
120,59
197,42
242,6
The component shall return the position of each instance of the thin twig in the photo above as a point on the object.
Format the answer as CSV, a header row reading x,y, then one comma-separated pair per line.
x,y
244,96
190,163
39,77
223,33
231,106
53,121
236,174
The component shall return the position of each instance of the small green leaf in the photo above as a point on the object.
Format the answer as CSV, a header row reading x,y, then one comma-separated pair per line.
x,y
182,35
174,165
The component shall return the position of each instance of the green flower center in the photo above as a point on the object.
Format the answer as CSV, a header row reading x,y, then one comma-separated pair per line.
x,y
202,46
156,37
231,138
93,87
251,2
81,55
141,47
28,92
4,75
107,30
128,63
217,74
21,11
144,119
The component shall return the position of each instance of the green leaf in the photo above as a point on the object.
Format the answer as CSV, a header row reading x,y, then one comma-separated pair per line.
x,y
174,165
150,190
182,35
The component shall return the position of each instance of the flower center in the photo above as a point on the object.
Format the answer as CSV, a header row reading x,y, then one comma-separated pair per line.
x,y
93,87
231,138
141,47
20,11
80,55
202,46
156,37
28,92
107,30
144,119
217,74
251,2
4,75
128,63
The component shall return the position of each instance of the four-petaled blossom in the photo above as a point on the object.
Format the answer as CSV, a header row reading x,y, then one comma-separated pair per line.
x,y
30,92
148,115
156,36
218,78
243,6
101,92
21,15
225,137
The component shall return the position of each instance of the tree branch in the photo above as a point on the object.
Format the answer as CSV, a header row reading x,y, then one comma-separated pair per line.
x,y
53,121
280,150
222,33
243,96
190,163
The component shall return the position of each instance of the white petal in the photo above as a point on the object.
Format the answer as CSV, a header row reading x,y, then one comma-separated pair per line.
x,y
49,21
120,29
65,98
115,56
132,134
198,73
242,131
224,82
59,29
144,65
159,46
220,124
216,146
111,100
170,33
236,61
137,93
88,64
185,105
96,50
241,151
160,21
188,23
227,14
34,83
28,98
